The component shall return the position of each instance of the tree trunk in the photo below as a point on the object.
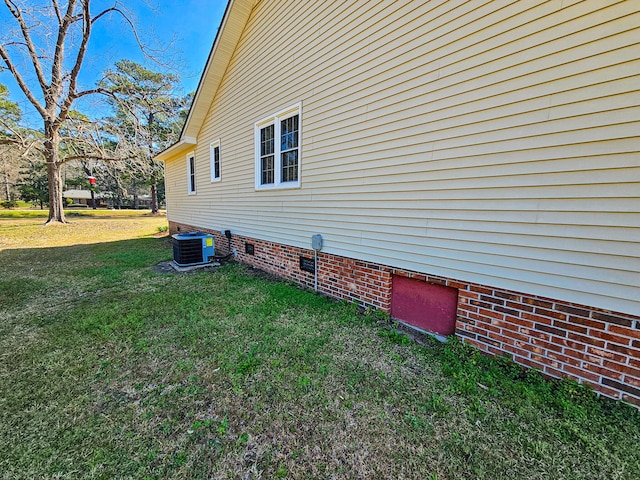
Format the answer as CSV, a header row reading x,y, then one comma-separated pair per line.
x,y
6,185
154,198
93,199
54,176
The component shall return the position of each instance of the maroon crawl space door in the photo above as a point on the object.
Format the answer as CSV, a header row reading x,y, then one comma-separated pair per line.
x,y
424,305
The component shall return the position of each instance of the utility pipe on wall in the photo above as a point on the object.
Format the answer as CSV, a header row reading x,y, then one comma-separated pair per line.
x,y
316,244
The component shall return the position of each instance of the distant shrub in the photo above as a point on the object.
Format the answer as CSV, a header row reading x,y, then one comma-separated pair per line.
x,y
9,204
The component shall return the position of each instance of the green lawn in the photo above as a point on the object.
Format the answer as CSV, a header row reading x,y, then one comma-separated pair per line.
x,y
109,369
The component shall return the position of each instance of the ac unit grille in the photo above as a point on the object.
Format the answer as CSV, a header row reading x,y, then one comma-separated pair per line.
x,y
187,252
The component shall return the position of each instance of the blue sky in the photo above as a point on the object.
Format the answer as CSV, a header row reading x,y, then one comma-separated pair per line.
x,y
188,27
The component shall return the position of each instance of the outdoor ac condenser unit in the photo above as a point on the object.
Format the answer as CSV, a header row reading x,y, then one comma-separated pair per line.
x,y
192,248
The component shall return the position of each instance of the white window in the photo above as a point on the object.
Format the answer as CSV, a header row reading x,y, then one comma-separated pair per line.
x,y
191,173
277,144
214,155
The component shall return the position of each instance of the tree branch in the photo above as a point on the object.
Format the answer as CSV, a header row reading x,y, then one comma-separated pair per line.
x,y
73,75
95,156
104,12
126,18
32,146
56,7
58,56
21,83
93,91
15,11
12,130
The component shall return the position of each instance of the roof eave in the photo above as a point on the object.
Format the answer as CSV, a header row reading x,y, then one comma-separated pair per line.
x,y
184,145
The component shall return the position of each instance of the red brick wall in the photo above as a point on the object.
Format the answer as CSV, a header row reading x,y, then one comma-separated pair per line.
x,y
596,347
338,277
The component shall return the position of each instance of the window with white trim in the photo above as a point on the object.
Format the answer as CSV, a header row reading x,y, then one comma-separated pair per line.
x,y
191,173
214,155
277,144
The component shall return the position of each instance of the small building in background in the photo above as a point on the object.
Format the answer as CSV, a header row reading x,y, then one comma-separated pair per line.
x,y
80,198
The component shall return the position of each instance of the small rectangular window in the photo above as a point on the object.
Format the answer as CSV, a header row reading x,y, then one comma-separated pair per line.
x,y
191,173
278,149
214,151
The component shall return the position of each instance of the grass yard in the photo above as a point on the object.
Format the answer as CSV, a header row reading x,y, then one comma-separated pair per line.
x,y
109,369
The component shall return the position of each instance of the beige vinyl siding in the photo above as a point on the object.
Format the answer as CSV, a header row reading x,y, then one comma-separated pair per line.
x,y
495,142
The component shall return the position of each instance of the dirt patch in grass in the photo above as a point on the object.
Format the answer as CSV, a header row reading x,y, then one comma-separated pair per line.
x,y
170,268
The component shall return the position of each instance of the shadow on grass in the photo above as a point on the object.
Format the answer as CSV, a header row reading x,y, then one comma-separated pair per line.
x,y
54,272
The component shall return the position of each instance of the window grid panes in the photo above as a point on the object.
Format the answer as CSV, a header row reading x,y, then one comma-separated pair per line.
x,y
268,170
267,148
192,174
290,166
216,162
278,149
289,148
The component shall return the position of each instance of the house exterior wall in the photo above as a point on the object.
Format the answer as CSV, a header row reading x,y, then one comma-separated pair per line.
x,y
492,144
491,141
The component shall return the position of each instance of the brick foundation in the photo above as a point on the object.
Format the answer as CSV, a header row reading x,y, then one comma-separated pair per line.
x,y
596,347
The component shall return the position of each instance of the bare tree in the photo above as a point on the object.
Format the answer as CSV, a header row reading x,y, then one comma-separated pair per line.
x,y
56,67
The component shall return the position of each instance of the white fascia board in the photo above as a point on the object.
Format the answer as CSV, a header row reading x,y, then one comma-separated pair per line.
x,y
182,146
